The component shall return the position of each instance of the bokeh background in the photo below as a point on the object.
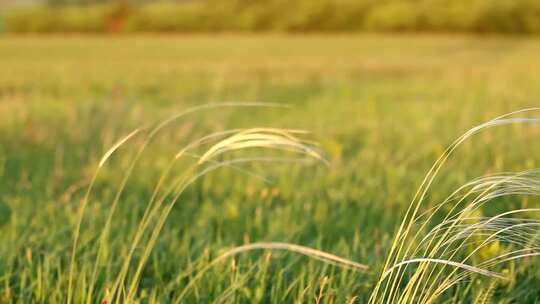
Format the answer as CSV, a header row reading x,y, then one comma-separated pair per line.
x,y
384,86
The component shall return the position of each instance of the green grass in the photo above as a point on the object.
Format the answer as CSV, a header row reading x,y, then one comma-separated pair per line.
x,y
383,108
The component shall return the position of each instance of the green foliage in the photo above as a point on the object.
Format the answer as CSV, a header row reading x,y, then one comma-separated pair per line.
x,y
70,19
394,16
167,17
5,213
477,16
383,107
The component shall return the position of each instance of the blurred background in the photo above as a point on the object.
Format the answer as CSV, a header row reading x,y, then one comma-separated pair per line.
x,y
383,85
189,16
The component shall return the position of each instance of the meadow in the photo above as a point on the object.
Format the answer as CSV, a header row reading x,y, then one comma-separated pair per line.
x,y
383,108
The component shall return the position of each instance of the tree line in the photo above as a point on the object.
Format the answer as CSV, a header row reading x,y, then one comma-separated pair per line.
x,y
91,16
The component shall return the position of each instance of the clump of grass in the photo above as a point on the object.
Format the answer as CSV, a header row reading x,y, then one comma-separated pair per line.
x,y
426,258
166,195
425,262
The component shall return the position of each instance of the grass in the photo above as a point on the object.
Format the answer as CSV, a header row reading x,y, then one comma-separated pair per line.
x,y
383,109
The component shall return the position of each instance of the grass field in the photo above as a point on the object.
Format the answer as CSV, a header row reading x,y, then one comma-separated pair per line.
x,y
383,108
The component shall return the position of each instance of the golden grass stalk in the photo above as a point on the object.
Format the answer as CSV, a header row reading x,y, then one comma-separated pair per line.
x,y
441,258
156,211
422,264
106,156
307,251
255,138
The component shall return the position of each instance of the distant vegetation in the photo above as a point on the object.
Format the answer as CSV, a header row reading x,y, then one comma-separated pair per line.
x,y
474,16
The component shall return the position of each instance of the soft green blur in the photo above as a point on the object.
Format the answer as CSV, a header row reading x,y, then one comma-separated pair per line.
x,y
382,107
